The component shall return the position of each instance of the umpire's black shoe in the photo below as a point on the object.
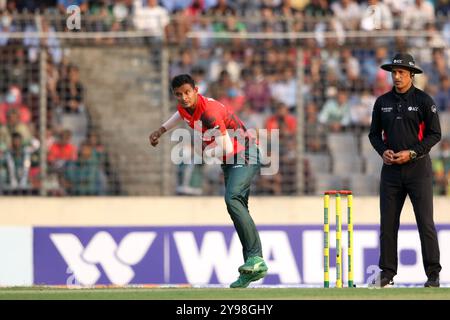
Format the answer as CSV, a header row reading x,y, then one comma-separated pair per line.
x,y
432,282
386,283
382,282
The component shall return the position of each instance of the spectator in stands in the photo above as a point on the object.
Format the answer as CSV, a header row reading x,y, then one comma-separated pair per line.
x,y
381,84
52,88
314,131
5,137
289,14
318,9
361,108
221,9
285,88
188,18
270,23
269,184
202,25
376,16
442,8
82,176
227,92
282,120
190,177
13,101
98,149
252,119
435,39
19,161
287,126
64,4
121,10
183,64
443,94
437,68
103,16
318,19
417,15
62,151
244,7
153,18
51,43
71,92
348,13
375,77
3,166
272,65
99,153
50,137
397,7
199,75
335,113
174,6
6,25
224,60
213,180
257,90
16,66
440,181
441,169
13,124
195,9
288,164
422,47
230,24
350,67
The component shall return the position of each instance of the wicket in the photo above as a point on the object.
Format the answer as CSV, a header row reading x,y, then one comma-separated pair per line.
x,y
326,230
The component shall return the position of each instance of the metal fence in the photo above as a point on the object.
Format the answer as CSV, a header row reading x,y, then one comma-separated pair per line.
x,y
77,107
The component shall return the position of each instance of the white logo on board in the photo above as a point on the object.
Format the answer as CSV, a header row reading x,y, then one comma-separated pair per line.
x,y
115,260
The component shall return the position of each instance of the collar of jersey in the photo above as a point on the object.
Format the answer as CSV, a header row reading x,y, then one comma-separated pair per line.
x,y
406,95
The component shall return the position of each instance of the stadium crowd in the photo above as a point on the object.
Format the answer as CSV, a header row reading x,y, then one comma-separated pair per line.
x,y
256,77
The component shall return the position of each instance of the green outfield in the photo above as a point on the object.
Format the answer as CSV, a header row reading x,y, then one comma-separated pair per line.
x,y
37,293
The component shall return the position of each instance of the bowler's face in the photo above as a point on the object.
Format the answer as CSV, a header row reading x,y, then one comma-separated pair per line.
x,y
186,95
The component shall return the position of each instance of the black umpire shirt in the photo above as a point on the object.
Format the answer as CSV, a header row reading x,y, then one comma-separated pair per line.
x,y
407,121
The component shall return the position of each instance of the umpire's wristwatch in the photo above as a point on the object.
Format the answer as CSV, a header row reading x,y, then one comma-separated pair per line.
x,y
412,154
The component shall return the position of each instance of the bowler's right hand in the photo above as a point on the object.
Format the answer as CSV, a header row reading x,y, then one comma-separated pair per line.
x,y
388,157
154,137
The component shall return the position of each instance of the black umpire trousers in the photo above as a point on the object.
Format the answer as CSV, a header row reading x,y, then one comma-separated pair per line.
x,y
414,179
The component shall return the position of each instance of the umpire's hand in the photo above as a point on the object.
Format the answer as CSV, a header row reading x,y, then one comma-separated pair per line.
x,y
388,157
401,157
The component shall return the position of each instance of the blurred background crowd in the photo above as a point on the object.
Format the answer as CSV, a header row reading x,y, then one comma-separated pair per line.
x,y
321,100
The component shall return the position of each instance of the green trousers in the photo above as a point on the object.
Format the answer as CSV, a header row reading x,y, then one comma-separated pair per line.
x,y
238,178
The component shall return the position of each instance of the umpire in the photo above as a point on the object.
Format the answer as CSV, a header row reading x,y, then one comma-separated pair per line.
x,y
405,126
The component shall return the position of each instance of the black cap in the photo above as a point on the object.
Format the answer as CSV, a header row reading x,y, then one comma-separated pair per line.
x,y
402,60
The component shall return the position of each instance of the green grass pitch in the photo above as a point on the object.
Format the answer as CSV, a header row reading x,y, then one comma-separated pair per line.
x,y
49,293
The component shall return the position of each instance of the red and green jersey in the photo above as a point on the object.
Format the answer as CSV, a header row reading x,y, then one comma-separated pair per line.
x,y
215,115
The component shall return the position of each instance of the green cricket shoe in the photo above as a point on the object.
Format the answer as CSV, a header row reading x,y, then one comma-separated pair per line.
x,y
252,265
245,278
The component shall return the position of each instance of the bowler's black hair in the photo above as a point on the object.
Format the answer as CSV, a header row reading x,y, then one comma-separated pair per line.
x,y
181,79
